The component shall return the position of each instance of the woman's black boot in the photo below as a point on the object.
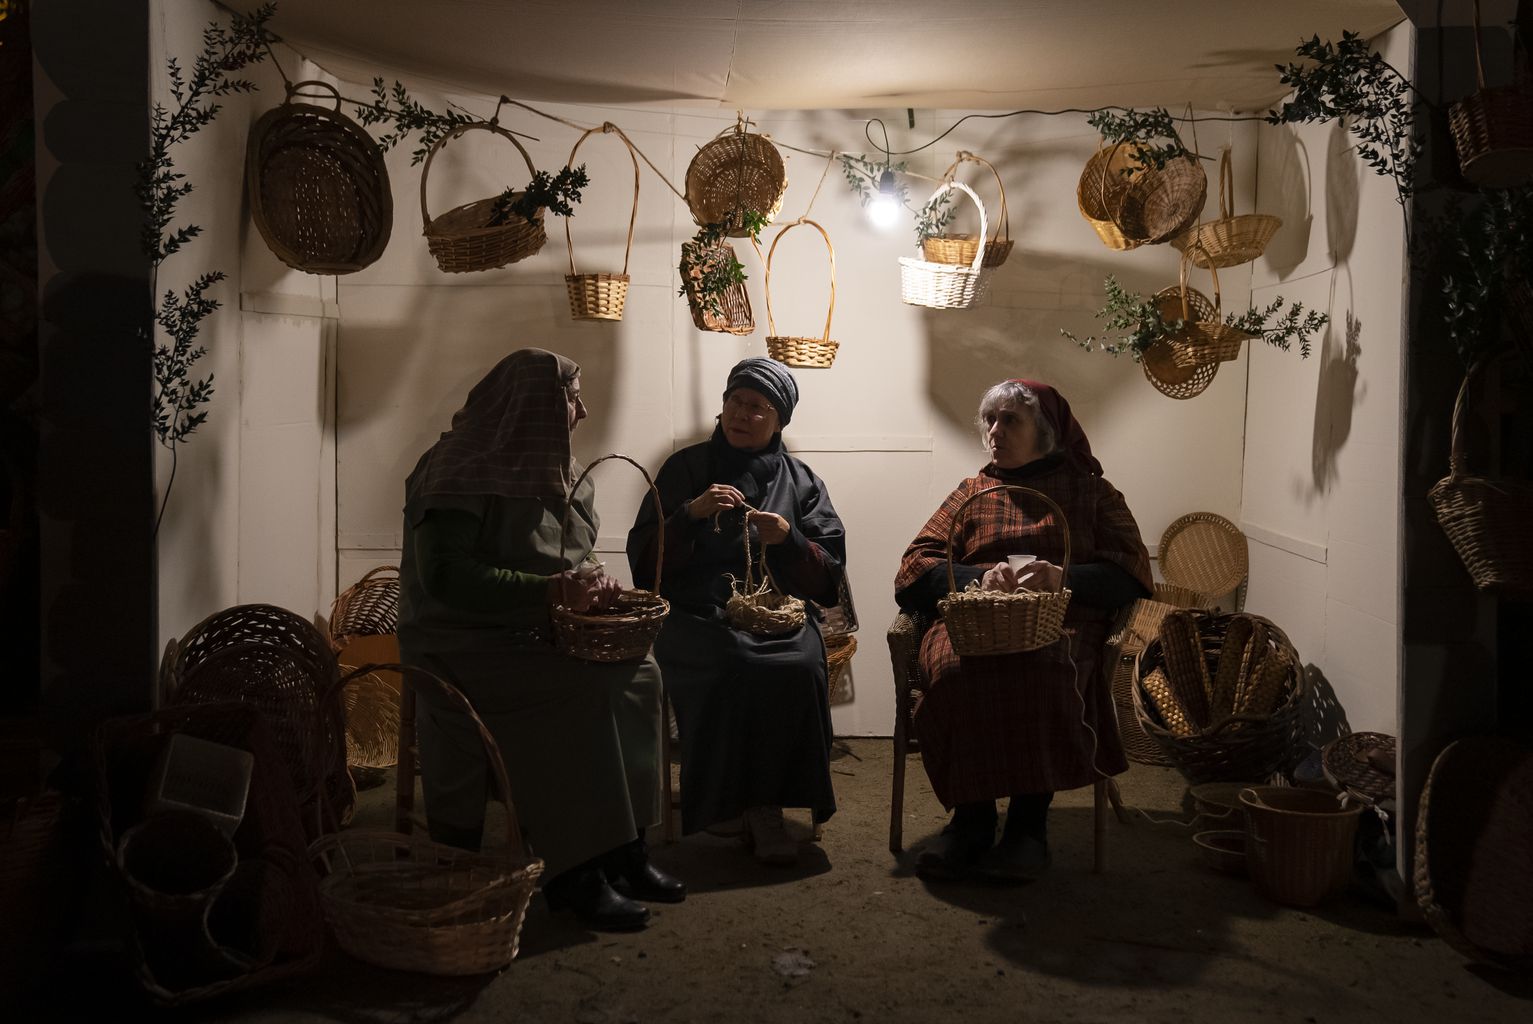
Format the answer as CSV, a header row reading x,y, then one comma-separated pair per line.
x,y
585,891
633,874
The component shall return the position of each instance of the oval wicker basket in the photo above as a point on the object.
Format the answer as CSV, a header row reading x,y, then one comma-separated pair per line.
x,y
736,172
802,352
1204,337
601,296
410,904
369,607
1172,380
960,249
761,607
732,312
463,239
947,285
317,185
1103,181
1161,203
1231,240
628,631
1486,518
983,622
1205,554
1493,128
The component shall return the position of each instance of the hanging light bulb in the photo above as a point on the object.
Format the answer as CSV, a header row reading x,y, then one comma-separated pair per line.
x,y
884,210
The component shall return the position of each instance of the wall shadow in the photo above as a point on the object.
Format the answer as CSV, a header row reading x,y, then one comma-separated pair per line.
x,y
1337,394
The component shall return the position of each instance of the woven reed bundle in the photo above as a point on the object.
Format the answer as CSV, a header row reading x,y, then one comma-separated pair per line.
x,y
1205,553
1486,518
1204,337
759,606
601,296
1493,128
735,173
1103,181
410,904
1230,240
318,188
733,315
981,622
960,249
626,631
463,239
1161,203
802,352
1171,379
948,285
1140,623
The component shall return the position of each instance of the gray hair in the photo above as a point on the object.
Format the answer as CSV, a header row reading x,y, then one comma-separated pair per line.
x,y
1009,392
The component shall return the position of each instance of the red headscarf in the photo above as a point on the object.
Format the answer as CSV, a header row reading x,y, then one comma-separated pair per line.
x,y
1067,429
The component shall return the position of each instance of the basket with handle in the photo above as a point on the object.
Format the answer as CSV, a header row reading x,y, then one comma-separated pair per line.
x,y
410,904
1103,181
1493,128
802,352
626,631
369,607
961,248
1486,518
463,239
758,605
1204,337
735,173
601,296
318,188
947,285
981,622
1231,239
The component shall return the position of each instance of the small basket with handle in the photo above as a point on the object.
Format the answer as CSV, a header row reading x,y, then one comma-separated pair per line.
x,y
982,622
1204,337
960,248
947,285
626,631
1493,128
802,352
758,605
1103,181
1231,239
463,239
601,296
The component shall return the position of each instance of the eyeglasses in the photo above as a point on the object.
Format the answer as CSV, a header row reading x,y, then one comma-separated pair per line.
x,y
755,410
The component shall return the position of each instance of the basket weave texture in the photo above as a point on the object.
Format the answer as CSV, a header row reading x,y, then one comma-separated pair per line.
x,y
369,607
801,351
1363,764
1205,553
410,904
947,285
1299,843
838,656
318,188
1230,240
601,296
363,621
1103,181
736,172
1172,379
982,622
733,312
959,248
1161,203
625,632
463,239
1204,336
1139,625
1493,128
757,605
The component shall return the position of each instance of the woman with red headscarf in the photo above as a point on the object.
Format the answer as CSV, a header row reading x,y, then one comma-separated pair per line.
x,y
1020,725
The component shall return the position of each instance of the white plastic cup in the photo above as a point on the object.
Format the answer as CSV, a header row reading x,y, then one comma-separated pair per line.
x,y
1018,561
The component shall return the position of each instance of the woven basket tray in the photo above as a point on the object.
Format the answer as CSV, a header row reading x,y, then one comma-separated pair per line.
x,y
1231,240
960,249
317,185
1493,128
947,285
984,622
733,312
1160,204
628,631
1204,553
802,352
601,296
1103,181
736,172
463,239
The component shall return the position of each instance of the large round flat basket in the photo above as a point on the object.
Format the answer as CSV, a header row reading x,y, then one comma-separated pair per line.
x,y
737,172
1204,552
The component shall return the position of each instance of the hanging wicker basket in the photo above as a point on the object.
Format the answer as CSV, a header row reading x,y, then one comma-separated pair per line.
x,y
983,622
463,239
1161,203
1172,379
601,296
947,285
1104,179
960,249
410,904
757,605
317,185
1486,518
1493,128
627,631
1204,337
802,352
736,173
731,309
1231,240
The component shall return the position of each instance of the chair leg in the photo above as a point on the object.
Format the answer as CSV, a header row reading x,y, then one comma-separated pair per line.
x,y
897,798
668,798
404,768
1099,827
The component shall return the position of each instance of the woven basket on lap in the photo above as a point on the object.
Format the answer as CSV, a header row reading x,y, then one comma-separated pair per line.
x,y
982,622
947,285
759,606
1231,240
601,296
1486,518
735,173
1104,179
1206,554
960,249
1161,203
1493,128
463,239
318,188
802,352
410,904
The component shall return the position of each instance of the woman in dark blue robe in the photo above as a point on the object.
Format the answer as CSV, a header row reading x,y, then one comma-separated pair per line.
x,y
752,711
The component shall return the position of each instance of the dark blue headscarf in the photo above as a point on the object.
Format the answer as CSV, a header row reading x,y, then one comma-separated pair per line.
x,y
771,379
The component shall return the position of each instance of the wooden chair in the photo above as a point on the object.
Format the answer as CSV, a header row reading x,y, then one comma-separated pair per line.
x,y
905,634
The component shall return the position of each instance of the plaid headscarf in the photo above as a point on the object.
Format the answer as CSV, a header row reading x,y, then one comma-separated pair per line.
x,y
1068,434
511,438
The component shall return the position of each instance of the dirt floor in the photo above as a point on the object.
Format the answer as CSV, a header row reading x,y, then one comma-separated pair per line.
x,y
853,935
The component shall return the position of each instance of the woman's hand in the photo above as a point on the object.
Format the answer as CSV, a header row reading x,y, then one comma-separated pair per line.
x,y
1040,575
999,577
770,527
714,500
582,594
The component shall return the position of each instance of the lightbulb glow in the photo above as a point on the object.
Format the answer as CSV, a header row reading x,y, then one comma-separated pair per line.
x,y
884,211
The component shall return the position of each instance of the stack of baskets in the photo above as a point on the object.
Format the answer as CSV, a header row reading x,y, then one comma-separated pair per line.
x,y
1103,181
1221,694
948,285
960,248
601,296
463,239
1493,128
802,352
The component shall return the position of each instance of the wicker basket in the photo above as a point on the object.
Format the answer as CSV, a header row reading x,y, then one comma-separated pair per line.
x,y
1161,203
410,904
733,312
757,605
1204,337
802,352
628,631
1362,764
463,239
369,607
838,656
1104,179
1242,746
1181,597
1205,554
1231,240
1299,843
947,285
601,296
1171,379
737,172
1140,624
1486,518
1493,128
960,249
982,622
318,188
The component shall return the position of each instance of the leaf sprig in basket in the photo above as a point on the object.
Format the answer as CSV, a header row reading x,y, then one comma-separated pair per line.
x,y
712,264
554,192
